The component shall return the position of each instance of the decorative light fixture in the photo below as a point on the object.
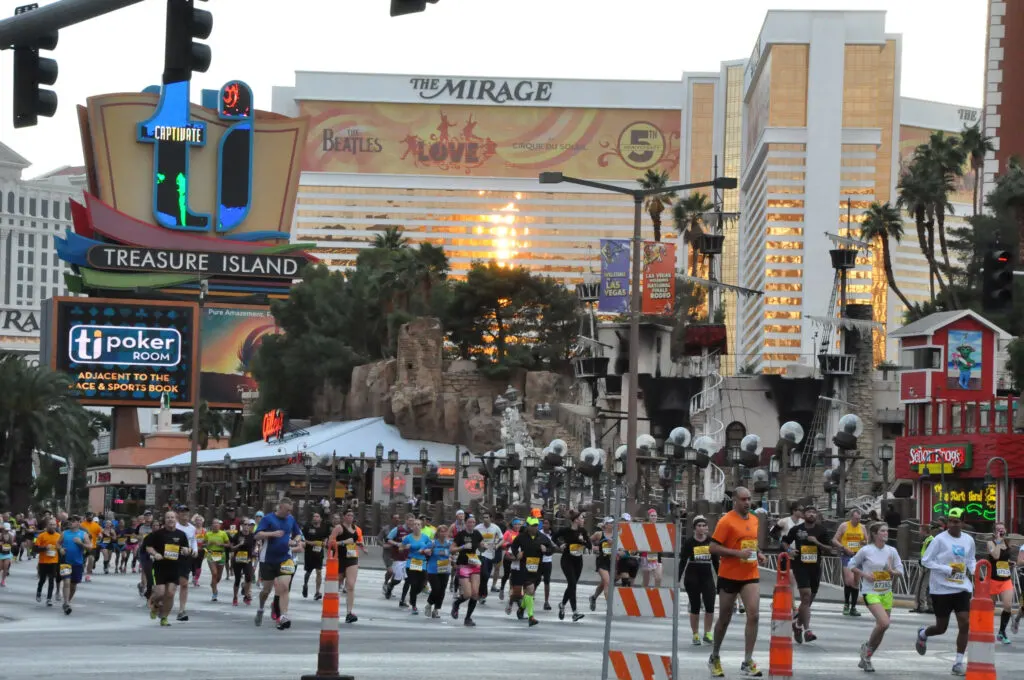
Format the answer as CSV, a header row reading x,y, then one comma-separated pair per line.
x,y
424,455
392,456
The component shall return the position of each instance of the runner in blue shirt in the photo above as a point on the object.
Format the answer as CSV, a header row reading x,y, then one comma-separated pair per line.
x,y
280,534
75,543
439,569
420,548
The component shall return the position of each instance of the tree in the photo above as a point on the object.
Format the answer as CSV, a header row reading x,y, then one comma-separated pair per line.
x,y
883,222
976,144
943,159
211,424
688,214
37,414
391,239
1007,197
917,195
655,204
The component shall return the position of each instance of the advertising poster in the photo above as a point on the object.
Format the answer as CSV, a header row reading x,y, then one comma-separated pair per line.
x,y
230,337
614,296
488,141
125,353
963,370
659,278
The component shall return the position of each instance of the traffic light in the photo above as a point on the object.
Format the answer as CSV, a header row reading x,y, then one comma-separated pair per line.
x,y
400,7
997,281
30,72
182,57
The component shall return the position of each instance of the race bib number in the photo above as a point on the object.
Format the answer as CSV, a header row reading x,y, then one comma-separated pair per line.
x,y
702,553
1003,569
242,557
51,551
132,540
318,546
808,554
415,565
959,570
532,564
217,557
287,568
171,552
473,559
606,550
5,548
749,544
65,570
853,546
351,551
576,550
232,532
122,541
882,582
443,567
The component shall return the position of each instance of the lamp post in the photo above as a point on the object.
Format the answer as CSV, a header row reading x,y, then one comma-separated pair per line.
x,y
393,464
569,465
638,196
531,465
193,462
989,479
885,455
309,462
790,436
424,459
850,427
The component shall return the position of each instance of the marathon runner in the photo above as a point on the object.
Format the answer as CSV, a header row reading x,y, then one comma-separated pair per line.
x,y
467,544
217,546
547,563
395,537
108,541
735,543
876,565
950,557
243,552
418,548
47,544
280,533
8,542
316,533
387,554
145,562
806,542
489,549
185,566
602,541
168,547
848,540
573,540
650,563
698,569
93,528
506,557
346,537
199,556
529,549
438,572
1001,573
75,544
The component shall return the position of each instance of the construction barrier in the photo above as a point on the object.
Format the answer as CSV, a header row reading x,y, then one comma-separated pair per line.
x,y
981,638
327,657
780,652
643,602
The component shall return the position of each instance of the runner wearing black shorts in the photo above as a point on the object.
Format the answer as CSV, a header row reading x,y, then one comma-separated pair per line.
x,y
243,551
697,569
167,546
807,543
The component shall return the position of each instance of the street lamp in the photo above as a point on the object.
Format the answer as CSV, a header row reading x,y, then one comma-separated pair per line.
x,y
309,462
790,436
850,428
638,196
424,459
989,479
465,459
193,463
379,455
885,455
531,465
393,465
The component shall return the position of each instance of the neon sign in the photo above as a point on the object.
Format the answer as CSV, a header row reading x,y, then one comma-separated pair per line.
x,y
172,132
977,504
941,459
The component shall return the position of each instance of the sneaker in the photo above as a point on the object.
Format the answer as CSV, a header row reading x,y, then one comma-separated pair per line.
x,y
696,640
809,636
508,608
547,607
273,616
437,614
854,611
213,598
1001,637
427,610
234,602
39,597
88,579
469,622
318,596
576,616
305,591
561,612
67,609
414,612
247,600
455,610
959,668
920,643
798,633
259,617
533,622
49,603
709,639
749,669
520,613
593,603
1015,625
742,609
284,623
715,666
164,621
141,588
865,659
494,589
403,604
182,616
153,614
351,618
501,594
846,610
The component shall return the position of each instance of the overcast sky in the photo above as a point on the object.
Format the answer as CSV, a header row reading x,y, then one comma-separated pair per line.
x,y
263,42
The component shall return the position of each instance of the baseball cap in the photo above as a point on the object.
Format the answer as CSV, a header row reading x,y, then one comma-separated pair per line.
x,y
259,513
698,519
532,521
955,513
516,521
461,512
626,517
251,522
608,520
148,512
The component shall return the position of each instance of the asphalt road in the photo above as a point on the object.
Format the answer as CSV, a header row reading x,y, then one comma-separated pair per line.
x,y
109,634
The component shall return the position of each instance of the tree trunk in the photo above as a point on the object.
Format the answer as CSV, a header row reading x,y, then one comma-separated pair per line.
x,y
656,221
887,258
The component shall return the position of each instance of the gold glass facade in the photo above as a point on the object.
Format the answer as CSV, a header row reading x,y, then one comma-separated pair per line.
x,y
733,148
702,129
788,97
551,233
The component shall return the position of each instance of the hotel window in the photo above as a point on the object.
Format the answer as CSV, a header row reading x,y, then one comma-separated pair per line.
x,y
45,205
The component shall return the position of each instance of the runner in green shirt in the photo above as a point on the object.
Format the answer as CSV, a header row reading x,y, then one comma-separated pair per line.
x,y
217,542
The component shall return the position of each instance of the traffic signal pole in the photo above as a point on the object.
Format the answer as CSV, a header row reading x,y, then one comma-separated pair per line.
x,y
29,26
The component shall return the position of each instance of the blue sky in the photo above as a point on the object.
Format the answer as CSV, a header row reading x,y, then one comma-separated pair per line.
x,y
265,41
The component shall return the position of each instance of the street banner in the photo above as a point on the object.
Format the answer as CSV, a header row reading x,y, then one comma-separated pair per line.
x,y
659,278
614,297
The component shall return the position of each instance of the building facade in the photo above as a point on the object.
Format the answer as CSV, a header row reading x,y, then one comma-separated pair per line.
x,y
1004,98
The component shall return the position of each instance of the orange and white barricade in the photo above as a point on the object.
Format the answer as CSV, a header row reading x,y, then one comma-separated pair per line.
x,y
981,639
638,602
327,656
780,651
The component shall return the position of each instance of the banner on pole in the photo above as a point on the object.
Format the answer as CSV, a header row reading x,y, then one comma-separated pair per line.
x,y
614,276
659,278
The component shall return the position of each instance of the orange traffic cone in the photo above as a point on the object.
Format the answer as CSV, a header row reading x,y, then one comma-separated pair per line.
x,y
981,639
780,653
327,658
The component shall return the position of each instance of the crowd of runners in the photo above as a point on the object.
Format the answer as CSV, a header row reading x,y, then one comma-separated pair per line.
x,y
476,558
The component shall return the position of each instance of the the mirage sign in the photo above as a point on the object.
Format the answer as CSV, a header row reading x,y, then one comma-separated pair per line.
x,y
121,352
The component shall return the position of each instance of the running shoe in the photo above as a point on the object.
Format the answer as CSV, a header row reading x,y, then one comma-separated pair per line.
x,y
865,659
414,612
284,623
273,616
709,639
547,607
1015,625
427,610
469,622
141,589
318,596
403,604
520,613
501,594
247,600
959,668
437,614
182,616
577,616
1001,637
561,612
39,597
854,611
798,633
809,636
455,609
715,666
259,617
593,603
494,589
920,643
508,608
213,598
164,621
533,622
351,618
49,603
846,610
305,591
153,614
696,640
67,609
749,669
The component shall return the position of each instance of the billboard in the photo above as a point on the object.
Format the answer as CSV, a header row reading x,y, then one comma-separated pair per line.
x,y
488,141
231,334
124,352
659,278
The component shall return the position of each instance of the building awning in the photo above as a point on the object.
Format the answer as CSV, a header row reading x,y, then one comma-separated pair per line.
x,y
347,438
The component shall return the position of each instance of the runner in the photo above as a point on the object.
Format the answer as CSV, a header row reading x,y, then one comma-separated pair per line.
x,y
199,557
438,572
47,544
217,544
75,544
573,540
108,539
529,549
125,532
698,569
877,566
1001,574
628,562
848,539
166,547
546,564
650,563
243,551
388,555
346,538
316,532
602,540
145,562
8,542
806,542
279,533
950,557
467,543
923,601
489,548
94,529
418,548
506,556
185,566
457,526
395,537
735,543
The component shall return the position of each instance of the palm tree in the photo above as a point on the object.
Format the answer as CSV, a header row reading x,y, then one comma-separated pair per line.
x,y
391,239
883,222
917,189
211,424
943,158
688,213
655,204
976,144
37,413
1008,196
